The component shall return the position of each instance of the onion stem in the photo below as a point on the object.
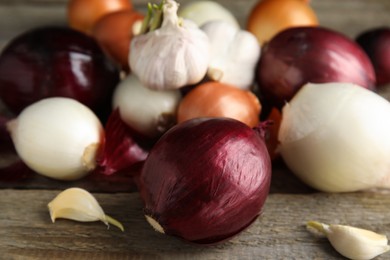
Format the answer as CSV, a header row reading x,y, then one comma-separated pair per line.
x,y
153,18
146,21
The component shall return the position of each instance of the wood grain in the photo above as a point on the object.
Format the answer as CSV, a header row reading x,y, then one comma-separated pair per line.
x,y
26,231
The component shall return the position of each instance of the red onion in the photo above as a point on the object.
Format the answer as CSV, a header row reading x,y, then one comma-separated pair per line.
x,y
56,61
121,149
376,43
300,55
206,180
5,138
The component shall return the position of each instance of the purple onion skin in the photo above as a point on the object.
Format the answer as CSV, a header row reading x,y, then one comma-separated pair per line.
x,y
56,61
300,55
206,180
121,151
376,43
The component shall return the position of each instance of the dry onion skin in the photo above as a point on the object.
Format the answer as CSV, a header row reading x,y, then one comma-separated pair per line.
x,y
82,15
300,55
215,99
114,32
339,148
206,180
376,43
270,17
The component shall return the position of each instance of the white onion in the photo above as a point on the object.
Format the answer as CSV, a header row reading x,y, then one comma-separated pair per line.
x,y
335,137
150,112
57,137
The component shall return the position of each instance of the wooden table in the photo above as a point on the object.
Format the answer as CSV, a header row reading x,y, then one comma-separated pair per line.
x,y
26,231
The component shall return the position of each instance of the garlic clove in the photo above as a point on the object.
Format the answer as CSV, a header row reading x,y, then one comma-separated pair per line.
x,y
352,242
234,54
79,205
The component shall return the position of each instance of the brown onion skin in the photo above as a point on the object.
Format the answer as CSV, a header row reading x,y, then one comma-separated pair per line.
x,y
376,43
300,55
114,32
269,17
82,15
216,99
206,179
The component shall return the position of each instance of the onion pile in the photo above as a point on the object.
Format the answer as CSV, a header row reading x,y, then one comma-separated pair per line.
x,y
206,172
206,180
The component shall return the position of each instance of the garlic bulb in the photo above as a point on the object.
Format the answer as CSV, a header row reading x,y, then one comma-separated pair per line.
x,y
234,54
335,137
202,12
79,205
57,137
150,112
175,55
351,242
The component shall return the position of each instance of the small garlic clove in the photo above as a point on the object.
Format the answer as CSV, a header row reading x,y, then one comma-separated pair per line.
x,y
79,205
352,242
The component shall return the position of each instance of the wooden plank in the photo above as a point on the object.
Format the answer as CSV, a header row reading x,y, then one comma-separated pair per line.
x,y
27,232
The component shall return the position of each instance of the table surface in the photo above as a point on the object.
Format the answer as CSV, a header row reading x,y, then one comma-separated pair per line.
x,y
26,231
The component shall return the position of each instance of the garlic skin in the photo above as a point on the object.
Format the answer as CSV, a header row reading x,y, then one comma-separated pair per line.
x,y
150,112
57,137
175,55
351,242
335,137
79,205
234,54
202,12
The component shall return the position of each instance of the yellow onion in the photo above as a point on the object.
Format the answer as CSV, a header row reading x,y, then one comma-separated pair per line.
x,y
270,17
216,99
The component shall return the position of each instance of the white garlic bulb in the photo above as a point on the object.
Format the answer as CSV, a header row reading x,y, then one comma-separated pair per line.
x,y
175,55
335,137
234,54
351,242
79,205
58,138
